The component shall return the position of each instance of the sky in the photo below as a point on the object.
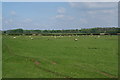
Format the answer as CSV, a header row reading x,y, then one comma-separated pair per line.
x,y
59,15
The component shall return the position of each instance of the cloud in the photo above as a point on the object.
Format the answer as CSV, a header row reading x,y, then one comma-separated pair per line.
x,y
96,8
60,16
109,11
70,17
13,13
92,0
9,21
93,5
64,17
83,20
99,5
28,20
61,10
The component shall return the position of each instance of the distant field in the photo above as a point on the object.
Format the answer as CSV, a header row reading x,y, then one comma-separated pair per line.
x,y
60,57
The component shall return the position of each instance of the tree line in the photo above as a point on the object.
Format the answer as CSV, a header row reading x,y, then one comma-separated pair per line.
x,y
98,30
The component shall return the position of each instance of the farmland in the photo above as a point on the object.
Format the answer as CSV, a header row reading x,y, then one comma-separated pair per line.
x,y
60,56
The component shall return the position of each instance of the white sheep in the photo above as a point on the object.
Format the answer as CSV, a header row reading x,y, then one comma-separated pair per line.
x,y
75,39
98,36
32,38
14,37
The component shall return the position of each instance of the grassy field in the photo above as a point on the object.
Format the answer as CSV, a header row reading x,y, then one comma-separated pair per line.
x,y
60,57
0,56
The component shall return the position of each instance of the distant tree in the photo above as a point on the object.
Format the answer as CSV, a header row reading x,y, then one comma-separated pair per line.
x,y
90,30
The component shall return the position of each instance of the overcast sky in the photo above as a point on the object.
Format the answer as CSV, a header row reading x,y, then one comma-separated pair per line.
x,y
59,15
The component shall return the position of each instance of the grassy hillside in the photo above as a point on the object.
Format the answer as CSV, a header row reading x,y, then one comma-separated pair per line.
x,y
60,57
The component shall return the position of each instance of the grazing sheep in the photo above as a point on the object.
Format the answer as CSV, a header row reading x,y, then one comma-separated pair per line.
x,y
32,38
14,37
75,39
69,36
98,36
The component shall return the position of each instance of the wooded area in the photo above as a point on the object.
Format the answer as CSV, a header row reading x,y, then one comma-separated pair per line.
x,y
97,31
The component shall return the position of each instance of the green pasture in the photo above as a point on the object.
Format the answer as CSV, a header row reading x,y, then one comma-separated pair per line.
x,y
60,57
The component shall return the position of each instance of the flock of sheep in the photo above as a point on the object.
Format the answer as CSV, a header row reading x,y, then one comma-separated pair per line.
x,y
54,37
